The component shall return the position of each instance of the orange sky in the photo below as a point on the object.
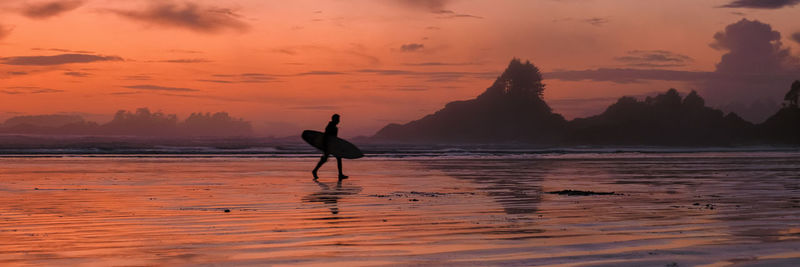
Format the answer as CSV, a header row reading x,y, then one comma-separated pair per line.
x,y
287,65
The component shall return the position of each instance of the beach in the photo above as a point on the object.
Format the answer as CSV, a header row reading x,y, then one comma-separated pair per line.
x,y
654,209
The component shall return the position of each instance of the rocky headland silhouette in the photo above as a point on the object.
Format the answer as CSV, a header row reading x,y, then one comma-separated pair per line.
x,y
512,111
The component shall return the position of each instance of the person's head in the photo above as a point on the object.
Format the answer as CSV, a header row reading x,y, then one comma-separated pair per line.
x,y
335,118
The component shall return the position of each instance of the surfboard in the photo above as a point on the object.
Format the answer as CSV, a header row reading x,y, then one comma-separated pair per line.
x,y
337,147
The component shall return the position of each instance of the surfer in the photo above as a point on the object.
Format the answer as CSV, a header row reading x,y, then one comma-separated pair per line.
x,y
331,132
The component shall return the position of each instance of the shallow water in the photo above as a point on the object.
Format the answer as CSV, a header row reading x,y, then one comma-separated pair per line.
x,y
687,209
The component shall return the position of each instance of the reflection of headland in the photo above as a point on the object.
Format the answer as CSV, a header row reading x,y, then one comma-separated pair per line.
x,y
514,184
330,195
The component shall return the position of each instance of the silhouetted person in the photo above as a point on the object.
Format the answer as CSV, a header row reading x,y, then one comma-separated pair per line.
x,y
331,132
793,95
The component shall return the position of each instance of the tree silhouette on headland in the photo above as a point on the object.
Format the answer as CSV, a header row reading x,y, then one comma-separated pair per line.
x,y
793,95
511,110
784,126
666,119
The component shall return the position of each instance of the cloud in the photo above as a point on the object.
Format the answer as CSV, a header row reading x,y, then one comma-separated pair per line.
x,y
763,4
24,90
56,60
5,31
626,75
76,74
241,78
140,77
185,60
654,59
596,21
411,47
796,37
449,14
756,68
438,7
432,76
62,50
752,47
160,88
49,9
319,72
427,5
191,16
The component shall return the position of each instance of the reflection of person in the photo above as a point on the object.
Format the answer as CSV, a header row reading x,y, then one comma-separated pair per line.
x,y
328,197
331,131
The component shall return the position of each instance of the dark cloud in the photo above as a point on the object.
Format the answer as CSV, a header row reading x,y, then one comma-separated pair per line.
x,y
63,50
24,90
185,60
449,14
76,74
56,60
411,47
285,51
432,76
5,31
319,72
757,67
215,81
752,47
438,7
50,9
17,73
596,21
796,37
160,88
125,93
654,59
763,4
138,77
205,19
627,75
427,5
241,78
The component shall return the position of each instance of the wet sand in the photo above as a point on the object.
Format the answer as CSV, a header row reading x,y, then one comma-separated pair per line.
x,y
666,210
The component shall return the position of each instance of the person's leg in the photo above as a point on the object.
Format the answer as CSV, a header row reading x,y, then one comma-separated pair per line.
x,y
322,160
339,164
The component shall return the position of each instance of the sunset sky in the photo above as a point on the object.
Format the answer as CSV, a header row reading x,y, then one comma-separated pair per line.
x,y
287,65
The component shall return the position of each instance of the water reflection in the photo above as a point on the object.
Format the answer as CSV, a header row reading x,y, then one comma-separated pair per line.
x,y
329,195
514,184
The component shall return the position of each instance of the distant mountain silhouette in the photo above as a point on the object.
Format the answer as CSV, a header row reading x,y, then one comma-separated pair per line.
x,y
511,110
666,119
141,123
53,120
